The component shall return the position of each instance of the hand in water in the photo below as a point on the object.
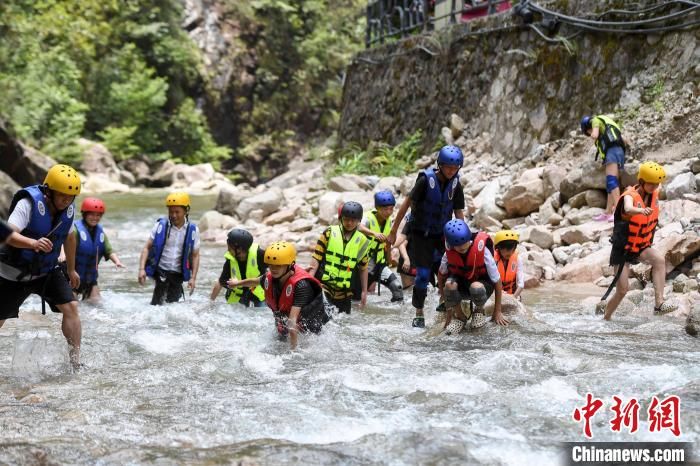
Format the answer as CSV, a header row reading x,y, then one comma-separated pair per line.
x,y
499,319
191,285
118,265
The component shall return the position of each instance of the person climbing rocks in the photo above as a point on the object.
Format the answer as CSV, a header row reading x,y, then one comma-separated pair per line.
x,y
636,219
611,147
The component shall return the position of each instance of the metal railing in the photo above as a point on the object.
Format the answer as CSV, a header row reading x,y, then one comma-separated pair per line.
x,y
401,18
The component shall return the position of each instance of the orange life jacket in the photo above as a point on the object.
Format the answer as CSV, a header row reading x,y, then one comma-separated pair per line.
x,y
470,265
508,271
641,227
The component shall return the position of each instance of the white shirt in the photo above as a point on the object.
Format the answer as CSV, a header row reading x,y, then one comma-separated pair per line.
x,y
171,258
489,262
20,218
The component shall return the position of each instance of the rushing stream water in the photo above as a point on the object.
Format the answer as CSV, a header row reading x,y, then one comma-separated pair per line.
x,y
203,383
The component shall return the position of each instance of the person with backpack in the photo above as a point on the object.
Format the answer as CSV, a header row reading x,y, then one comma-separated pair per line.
x,y
611,148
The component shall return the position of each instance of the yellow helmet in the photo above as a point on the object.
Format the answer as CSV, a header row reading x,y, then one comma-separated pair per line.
x,y
651,172
63,179
178,199
280,253
505,235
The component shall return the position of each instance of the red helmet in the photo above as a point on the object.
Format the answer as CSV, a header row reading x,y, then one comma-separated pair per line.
x,y
92,204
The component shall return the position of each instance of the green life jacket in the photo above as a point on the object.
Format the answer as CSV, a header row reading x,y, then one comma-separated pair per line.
x,y
341,258
609,136
375,247
252,269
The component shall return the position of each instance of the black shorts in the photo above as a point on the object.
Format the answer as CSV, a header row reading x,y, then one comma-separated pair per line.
x,y
463,287
168,287
54,286
424,251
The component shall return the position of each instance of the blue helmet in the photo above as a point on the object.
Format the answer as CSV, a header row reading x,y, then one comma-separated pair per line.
x,y
384,198
585,124
450,155
457,232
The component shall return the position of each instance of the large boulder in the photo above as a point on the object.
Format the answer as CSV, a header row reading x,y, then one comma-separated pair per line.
x,y
139,168
586,269
97,183
345,183
692,323
674,211
213,220
526,195
485,201
580,216
182,175
681,184
552,176
228,199
23,164
542,237
329,202
8,188
268,201
591,175
583,233
98,159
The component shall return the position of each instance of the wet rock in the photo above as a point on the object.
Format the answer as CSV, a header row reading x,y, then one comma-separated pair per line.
x,y
96,183
138,168
679,283
690,285
8,188
266,202
635,284
604,281
635,296
228,199
692,323
182,175
681,184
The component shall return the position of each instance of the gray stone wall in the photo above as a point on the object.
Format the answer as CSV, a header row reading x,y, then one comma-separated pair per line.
x,y
510,83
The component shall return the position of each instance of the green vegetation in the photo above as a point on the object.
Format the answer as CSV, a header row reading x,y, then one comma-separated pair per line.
x,y
379,159
124,72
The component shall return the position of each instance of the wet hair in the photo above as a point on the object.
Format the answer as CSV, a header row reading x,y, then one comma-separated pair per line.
x,y
507,245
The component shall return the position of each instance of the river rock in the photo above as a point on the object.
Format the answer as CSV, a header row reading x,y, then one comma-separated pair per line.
x,y
181,174
676,210
581,216
591,175
328,205
578,200
97,183
681,184
281,216
542,237
596,198
486,222
590,231
586,269
485,201
98,159
228,199
552,176
526,195
267,202
389,183
301,225
344,183
139,168
692,323
26,165
635,296
8,188
213,220
679,283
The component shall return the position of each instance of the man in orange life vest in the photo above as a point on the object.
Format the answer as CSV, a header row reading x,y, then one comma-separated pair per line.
x,y
294,295
471,274
636,217
510,266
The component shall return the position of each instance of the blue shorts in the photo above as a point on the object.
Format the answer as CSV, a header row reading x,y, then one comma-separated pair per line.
x,y
615,154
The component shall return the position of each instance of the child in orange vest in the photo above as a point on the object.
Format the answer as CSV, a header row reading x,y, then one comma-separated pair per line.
x,y
510,267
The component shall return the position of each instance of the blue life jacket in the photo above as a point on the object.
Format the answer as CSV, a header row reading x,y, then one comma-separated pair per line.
x,y
159,243
436,209
91,248
41,225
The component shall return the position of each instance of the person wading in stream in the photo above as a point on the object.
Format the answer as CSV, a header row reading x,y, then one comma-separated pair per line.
x,y
435,197
171,254
42,219
294,296
636,218
341,248
93,245
242,270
